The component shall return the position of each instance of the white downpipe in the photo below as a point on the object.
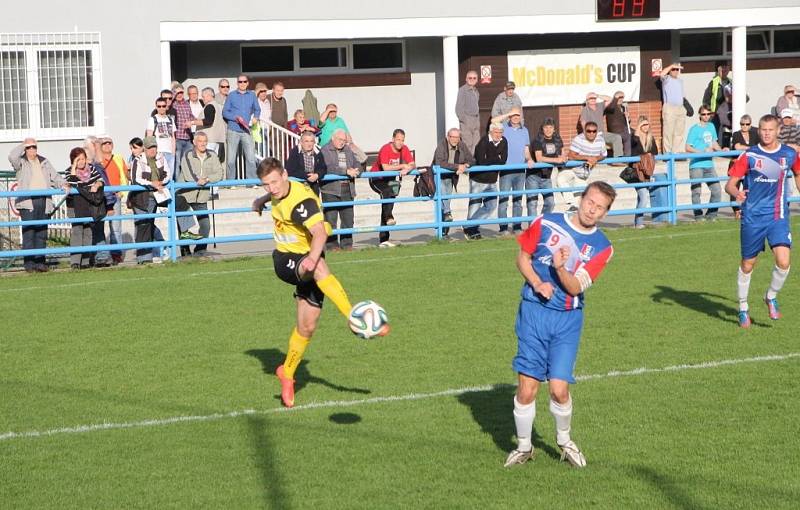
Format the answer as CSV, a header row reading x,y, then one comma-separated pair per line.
x,y
739,67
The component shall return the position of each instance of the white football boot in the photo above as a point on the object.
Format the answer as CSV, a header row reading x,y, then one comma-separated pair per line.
x,y
518,457
571,453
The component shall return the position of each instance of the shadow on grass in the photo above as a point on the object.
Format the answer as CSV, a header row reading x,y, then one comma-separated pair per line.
x,y
667,486
264,460
270,360
493,410
713,305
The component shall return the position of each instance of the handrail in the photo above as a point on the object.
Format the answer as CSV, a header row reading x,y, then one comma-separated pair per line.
x,y
436,222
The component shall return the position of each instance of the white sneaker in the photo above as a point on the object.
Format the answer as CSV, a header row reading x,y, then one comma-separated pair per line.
x,y
387,244
517,457
571,453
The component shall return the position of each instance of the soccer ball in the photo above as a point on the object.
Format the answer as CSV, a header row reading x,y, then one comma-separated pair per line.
x,y
368,320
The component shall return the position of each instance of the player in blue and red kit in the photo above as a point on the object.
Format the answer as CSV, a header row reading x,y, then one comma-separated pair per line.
x,y
763,169
560,256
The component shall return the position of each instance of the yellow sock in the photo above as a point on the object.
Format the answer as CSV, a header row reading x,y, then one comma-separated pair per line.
x,y
331,287
297,346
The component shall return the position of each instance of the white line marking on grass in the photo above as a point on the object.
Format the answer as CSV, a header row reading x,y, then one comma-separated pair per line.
x,y
378,400
80,284
679,234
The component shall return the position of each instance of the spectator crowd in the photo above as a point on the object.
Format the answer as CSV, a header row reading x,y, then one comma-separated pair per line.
x,y
196,136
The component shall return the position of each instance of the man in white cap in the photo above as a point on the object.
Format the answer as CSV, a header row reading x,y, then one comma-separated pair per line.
x,y
790,131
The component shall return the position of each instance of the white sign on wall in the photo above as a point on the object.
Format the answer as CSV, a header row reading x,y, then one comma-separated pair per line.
x,y
565,76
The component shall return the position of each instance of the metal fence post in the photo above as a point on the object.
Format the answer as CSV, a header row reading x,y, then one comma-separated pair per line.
x,y
173,228
673,191
437,201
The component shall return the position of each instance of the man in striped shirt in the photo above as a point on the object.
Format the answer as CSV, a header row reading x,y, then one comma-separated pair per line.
x,y
589,146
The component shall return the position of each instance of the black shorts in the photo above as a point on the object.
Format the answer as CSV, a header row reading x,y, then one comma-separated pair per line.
x,y
287,267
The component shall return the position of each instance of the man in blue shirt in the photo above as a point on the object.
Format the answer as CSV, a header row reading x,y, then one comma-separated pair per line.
x,y
702,137
513,180
240,111
764,169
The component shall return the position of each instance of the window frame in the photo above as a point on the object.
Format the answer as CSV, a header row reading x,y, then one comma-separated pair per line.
x,y
347,69
725,33
91,44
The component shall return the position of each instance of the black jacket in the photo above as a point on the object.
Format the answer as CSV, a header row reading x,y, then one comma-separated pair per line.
x,y
296,167
487,153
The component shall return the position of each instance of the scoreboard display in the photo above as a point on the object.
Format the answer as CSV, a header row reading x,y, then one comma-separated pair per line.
x,y
628,10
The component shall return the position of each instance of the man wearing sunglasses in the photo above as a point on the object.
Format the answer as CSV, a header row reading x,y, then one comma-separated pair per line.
x,y
240,112
702,137
162,126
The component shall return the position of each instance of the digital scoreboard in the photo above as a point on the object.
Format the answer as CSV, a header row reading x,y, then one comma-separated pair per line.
x,y
628,10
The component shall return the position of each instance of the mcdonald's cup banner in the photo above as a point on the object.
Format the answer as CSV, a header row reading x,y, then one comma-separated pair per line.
x,y
565,76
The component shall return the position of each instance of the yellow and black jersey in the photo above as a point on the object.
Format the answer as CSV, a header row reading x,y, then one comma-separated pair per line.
x,y
294,215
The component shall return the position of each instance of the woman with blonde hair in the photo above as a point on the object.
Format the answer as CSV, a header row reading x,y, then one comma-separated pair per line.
x,y
641,142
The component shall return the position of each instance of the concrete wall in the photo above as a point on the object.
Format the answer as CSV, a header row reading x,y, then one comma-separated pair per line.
x,y
371,113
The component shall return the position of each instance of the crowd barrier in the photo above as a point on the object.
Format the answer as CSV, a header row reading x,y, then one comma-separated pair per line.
x,y
172,240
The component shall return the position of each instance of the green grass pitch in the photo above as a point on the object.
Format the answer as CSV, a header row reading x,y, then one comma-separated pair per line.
x,y
153,387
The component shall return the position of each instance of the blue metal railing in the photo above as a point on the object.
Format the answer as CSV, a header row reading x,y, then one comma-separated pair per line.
x,y
436,223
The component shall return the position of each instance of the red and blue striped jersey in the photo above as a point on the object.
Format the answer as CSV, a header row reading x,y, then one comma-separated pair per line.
x,y
764,175
589,250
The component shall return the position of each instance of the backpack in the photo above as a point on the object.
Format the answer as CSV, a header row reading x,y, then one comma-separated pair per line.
x,y
424,183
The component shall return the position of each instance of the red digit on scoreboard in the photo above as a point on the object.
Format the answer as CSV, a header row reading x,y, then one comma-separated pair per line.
x,y
638,8
618,8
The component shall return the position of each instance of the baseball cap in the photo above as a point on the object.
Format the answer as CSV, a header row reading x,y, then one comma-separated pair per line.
x,y
515,111
591,95
150,141
511,85
787,88
787,112
261,86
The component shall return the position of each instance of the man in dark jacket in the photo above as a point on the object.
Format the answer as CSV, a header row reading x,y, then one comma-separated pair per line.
x,y
305,164
451,154
492,149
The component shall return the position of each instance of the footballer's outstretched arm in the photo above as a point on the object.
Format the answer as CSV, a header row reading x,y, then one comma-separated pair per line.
x,y
259,203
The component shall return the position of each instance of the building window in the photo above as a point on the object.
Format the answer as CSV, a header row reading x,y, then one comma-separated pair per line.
x,y
321,58
14,97
701,44
267,59
50,85
761,42
340,57
786,41
377,55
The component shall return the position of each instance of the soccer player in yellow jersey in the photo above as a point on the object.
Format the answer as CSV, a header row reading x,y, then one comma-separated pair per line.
x,y
300,235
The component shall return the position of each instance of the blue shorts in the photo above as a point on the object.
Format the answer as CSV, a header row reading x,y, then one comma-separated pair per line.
x,y
547,341
753,235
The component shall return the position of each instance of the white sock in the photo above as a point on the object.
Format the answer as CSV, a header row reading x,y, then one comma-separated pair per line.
x,y
743,284
523,418
563,416
776,284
